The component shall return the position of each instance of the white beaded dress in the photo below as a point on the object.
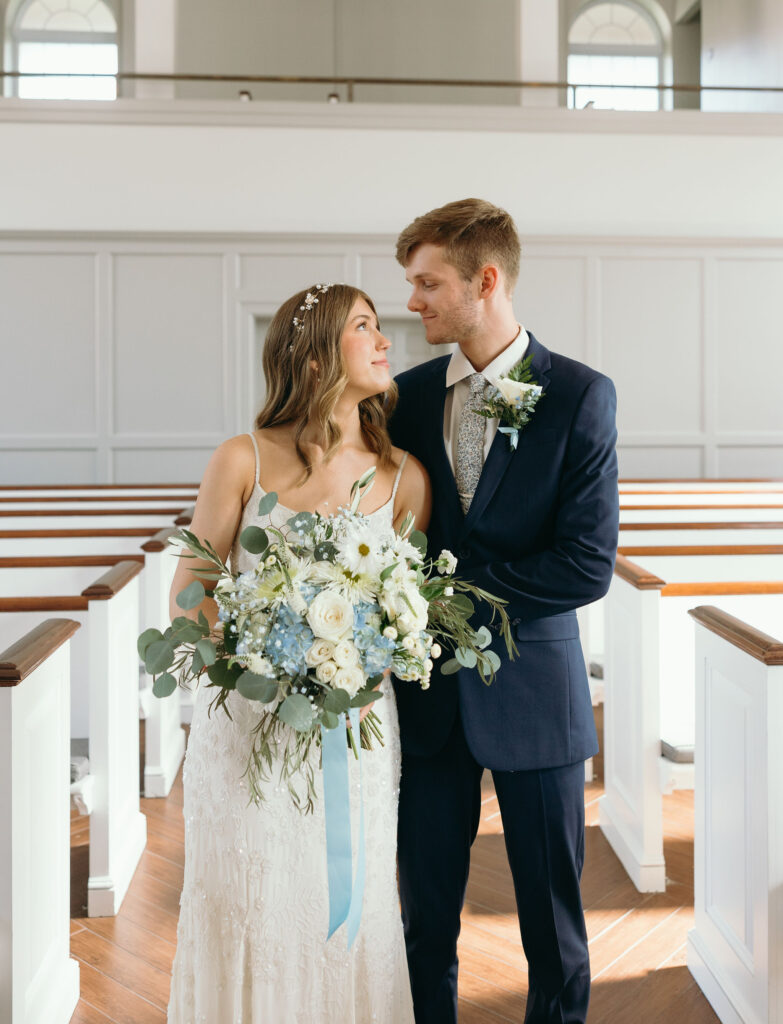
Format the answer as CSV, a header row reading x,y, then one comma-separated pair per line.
x,y
251,940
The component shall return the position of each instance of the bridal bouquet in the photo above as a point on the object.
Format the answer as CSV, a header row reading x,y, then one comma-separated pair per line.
x,y
311,629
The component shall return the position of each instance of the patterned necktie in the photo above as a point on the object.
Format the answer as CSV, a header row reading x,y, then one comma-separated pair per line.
x,y
470,442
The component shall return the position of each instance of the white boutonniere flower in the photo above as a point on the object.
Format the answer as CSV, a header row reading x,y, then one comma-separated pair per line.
x,y
512,400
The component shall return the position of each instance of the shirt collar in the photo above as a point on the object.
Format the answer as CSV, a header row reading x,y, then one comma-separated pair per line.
x,y
460,366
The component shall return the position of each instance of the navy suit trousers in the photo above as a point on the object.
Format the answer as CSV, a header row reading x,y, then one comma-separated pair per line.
x,y
542,811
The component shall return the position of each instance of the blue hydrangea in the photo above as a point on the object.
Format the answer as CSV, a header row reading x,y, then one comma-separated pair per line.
x,y
288,642
375,649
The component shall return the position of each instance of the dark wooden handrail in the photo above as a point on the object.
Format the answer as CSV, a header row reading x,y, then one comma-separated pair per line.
x,y
722,587
185,516
22,658
755,643
70,512
763,525
53,603
52,499
160,540
95,487
127,531
656,551
706,505
636,575
698,480
61,561
112,582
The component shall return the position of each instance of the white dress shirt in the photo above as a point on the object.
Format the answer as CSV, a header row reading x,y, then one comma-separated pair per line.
x,y
458,389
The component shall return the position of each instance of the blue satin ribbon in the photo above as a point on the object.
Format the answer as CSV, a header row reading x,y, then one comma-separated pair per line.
x,y
345,899
513,435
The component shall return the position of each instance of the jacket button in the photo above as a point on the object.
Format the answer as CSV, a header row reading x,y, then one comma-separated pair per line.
x,y
516,622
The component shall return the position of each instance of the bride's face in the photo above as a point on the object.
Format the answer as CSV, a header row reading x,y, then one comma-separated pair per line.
x,y
364,352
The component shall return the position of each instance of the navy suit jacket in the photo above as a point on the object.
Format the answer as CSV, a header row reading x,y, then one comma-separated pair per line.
x,y
541,533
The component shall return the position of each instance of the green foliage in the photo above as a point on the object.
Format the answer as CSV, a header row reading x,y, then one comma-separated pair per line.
x,y
267,503
329,720
254,539
419,540
337,701
207,651
365,697
466,657
147,637
221,674
164,685
448,668
302,522
325,552
158,656
191,596
297,712
258,688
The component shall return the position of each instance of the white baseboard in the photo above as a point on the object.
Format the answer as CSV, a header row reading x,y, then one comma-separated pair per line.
x,y
158,779
105,894
58,1002
699,964
647,877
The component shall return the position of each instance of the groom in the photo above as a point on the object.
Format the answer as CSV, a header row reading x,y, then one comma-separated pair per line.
x,y
536,526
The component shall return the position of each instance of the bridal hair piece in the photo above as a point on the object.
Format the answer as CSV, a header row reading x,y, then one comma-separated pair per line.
x,y
310,300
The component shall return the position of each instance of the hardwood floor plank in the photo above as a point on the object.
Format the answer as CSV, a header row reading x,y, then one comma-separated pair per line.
x,y
86,1014
150,983
133,939
119,1003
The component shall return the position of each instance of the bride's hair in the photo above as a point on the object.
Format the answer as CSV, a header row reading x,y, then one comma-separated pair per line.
x,y
298,395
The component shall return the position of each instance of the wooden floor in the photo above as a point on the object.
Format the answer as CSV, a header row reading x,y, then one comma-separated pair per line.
x,y
637,941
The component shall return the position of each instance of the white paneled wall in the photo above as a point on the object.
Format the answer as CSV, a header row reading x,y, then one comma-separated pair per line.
x,y
131,359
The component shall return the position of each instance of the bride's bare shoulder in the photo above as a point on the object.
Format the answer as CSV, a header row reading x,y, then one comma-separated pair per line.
x,y
232,466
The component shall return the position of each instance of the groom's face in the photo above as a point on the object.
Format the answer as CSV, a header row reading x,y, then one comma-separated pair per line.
x,y
448,305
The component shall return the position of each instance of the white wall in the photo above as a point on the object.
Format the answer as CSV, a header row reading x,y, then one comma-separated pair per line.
x,y
140,258
742,44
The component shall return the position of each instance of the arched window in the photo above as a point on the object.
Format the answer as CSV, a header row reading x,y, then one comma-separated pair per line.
x,y
615,43
68,37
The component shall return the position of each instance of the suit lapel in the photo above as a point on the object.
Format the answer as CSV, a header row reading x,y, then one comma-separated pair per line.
x,y
500,452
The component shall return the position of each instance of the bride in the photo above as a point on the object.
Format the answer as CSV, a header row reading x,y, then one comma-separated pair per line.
x,y
251,942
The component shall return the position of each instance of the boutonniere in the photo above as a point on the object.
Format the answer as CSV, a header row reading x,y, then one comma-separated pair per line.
x,y
512,400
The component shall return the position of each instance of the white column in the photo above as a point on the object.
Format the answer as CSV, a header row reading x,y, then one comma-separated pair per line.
x,y
539,50
154,36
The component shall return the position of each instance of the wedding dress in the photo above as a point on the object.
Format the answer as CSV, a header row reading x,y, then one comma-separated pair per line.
x,y
254,911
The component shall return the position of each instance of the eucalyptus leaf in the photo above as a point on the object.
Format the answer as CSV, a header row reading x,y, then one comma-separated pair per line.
x,y
365,697
465,657
221,675
203,622
158,656
197,663
483,637
267,503
329,720
325,552
256,687
302,522
463,604
297,712
164,685
386,573
254,540
493,659
191,596
448,668
229,639
185,631
207,651
419,540
148,637
337,700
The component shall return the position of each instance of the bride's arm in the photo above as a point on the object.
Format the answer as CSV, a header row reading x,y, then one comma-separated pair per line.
x,y
226,486
413,495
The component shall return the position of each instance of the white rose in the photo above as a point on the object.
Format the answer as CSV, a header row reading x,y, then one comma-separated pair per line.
x,y
321,651
259,665
390,633
414,609
435,651
450,562
330,615
345,654
513,389
326,672
350,679
408,642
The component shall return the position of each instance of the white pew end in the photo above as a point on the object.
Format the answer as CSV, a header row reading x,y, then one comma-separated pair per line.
x,y
734,948
39,982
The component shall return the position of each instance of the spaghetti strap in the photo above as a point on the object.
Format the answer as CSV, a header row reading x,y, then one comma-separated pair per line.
x,y
258,458
399,474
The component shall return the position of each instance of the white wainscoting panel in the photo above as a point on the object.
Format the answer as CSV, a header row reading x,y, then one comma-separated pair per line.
x,y
748,349
168,344
159,338
48,343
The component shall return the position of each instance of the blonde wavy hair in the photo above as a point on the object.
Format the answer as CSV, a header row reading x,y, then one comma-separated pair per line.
x,y
298,395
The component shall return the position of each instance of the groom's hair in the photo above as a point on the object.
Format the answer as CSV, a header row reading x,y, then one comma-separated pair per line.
x,y
472,233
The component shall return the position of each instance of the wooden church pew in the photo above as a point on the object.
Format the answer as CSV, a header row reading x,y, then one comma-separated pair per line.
x,y
733,948
649,684
104,702
39,982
